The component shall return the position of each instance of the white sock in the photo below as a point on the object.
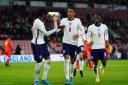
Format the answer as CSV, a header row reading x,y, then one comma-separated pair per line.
x,y
37,71
46,69
81,65
97,72
72,67
66,68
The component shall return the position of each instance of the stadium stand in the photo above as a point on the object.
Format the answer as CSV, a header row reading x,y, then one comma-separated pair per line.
x,y
18,24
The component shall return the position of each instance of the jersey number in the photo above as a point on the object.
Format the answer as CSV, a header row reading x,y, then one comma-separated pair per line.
x,y
69,29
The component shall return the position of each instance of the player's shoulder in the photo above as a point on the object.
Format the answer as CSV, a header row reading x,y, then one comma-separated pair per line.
x,y
64,19
78,19
91,26
104,25
37,20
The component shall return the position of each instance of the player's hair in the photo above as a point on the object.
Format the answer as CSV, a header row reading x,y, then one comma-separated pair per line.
x,y
98,15
42,11
72,8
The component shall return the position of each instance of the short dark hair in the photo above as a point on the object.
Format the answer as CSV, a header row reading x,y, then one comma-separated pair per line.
x,y
42,11
72,8
98,15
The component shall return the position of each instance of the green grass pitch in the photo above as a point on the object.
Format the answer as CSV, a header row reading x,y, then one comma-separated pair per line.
x,y
22,74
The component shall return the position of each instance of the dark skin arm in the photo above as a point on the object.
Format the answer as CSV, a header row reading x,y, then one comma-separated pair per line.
x,y
61,26
90,43
107,44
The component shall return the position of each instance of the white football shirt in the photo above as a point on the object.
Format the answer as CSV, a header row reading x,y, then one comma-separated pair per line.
x,y
38,32
99,35
72,27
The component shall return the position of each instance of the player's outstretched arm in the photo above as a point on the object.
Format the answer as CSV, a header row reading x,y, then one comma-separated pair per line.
x,y
46,33
61,26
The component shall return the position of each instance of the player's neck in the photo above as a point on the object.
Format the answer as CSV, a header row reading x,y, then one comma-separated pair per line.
x,y
71,18
99,24
41,19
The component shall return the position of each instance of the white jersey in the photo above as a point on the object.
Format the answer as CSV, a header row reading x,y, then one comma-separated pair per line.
x,y
38,32
99,35
71,28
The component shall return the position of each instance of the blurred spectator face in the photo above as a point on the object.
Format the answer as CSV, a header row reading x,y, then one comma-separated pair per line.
x,y
71,13
97,20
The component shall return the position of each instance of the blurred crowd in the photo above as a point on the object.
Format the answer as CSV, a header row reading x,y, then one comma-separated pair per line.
x,y
17,22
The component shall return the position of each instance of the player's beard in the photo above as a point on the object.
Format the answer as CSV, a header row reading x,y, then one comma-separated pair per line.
x,y
70,18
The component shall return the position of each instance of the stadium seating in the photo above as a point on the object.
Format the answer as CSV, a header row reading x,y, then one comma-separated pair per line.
x,y
20,27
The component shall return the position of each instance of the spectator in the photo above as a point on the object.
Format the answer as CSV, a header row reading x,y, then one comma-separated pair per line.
x,y
18,50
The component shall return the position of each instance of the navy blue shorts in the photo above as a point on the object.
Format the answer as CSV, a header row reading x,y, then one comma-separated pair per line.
x,y
80,49
40,52
98,54
69,50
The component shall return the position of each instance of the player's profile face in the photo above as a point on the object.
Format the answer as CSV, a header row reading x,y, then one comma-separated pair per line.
x,y
44,16
71,13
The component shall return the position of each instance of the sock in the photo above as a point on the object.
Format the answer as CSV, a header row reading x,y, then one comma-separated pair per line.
x,y
90,63
81,62
72,67
46,69
104,65
77,64
37,71
66,67
96,70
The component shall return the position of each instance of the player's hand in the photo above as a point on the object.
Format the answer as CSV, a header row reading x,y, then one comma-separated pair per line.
x,y
107,44
75,37
61,26
90,43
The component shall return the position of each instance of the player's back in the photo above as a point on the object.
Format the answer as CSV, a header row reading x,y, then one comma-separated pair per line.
x,y
38,36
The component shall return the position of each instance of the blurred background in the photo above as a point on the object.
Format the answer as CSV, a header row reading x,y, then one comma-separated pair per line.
x,y
17,16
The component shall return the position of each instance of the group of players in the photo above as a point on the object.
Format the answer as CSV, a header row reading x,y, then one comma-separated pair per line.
x,y
76,41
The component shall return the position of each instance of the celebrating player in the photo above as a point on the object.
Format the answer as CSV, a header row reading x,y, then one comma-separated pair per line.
x,y
99,32
71,26
39,46
8,50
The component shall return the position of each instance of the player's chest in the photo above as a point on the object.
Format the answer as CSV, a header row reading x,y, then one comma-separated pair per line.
x,y
98,30
71,26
